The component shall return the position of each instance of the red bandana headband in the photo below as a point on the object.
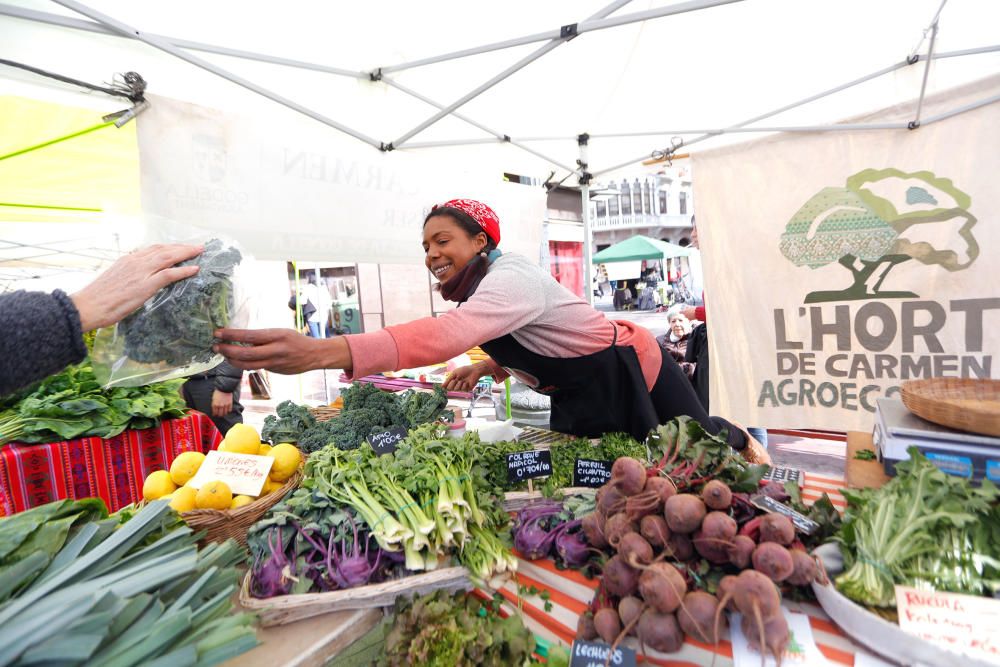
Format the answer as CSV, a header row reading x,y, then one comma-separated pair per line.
x,y
479,212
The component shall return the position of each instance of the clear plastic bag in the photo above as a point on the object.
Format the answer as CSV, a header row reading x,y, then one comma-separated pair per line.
x,y
171,335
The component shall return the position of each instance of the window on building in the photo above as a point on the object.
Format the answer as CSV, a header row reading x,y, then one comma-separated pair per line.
x,y
662,196
637,197
602,209
684,203
613,206
627,201
645,199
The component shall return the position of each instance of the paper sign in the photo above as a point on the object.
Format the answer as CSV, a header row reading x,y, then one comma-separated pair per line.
x,y
961,623
529,465
385,442
593,474
595,654
802,648
244,474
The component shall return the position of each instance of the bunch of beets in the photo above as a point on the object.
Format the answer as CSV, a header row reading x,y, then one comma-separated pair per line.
x,y
656,536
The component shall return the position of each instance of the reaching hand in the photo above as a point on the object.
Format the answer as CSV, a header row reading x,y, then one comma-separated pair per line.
x,y
282,350
464,378
222,403
127,283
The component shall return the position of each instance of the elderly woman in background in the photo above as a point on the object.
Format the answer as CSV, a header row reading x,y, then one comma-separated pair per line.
x,y
675,341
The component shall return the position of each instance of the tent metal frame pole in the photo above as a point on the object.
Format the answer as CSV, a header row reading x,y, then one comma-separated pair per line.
x,y
500,136
513,69
588,250
594,23
90,26
915,123
169,48
960,110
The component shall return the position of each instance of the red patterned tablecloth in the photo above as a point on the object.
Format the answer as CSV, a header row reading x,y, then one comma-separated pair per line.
x,y
113,469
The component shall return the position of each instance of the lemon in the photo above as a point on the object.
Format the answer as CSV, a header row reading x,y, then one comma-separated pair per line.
x,y
270,486
241,439
240,501
286,461
157,485
214,496
264,449
183,499
185,466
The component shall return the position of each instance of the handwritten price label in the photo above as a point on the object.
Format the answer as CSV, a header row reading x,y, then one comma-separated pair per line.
x,y
522,466
385,442
962,623
591,473
243,473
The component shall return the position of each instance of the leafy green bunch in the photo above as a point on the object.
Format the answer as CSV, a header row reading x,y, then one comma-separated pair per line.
x,y
72,404
452,630
924,529
683,450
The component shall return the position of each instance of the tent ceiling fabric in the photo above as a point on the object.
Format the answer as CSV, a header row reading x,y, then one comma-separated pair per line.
x,y
698,70
637,248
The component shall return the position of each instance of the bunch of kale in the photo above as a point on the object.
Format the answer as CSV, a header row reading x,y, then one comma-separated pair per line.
x,y
367,410
176,326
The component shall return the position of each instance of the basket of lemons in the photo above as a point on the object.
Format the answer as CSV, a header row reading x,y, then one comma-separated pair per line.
x,y
213,508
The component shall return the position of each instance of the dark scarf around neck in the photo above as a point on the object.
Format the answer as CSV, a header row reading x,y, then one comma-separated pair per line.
x,y
463,284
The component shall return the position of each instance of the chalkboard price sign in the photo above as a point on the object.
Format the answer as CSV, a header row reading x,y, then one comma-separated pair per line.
x,y
593,474
522,466
595,654
385,442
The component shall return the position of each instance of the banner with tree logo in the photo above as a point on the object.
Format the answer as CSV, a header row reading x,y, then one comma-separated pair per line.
x,y
840,264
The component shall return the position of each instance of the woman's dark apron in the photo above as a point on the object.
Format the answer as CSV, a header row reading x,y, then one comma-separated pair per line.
x,y
591,395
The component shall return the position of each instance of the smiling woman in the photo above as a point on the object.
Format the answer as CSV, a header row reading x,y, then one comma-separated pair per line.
x,y
602,376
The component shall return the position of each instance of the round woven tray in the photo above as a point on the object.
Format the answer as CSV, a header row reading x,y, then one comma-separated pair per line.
x,y
963,404
220,525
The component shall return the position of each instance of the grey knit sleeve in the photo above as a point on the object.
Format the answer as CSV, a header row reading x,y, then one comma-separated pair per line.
x,y
39,335
226,377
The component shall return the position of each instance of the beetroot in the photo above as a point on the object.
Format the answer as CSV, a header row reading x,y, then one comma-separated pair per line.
x,y
725,591
711,549
717,495
662,486
619,578
629,608
593,528
660,632
803,569
643,504
773,560
753,589
697,616
585,629
740,550
662,587
777,528
684,513
616,526
654,529
635,550
607,624
680,547
719,525
611,500
773,630
628,475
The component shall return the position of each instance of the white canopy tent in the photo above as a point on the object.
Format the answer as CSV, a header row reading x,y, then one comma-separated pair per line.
x,y
512,86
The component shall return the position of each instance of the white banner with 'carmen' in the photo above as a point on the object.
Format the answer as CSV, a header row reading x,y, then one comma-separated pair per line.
x,y
840,264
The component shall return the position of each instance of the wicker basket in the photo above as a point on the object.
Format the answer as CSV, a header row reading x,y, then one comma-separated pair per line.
x,y
220,525
963,404
325,413
289,608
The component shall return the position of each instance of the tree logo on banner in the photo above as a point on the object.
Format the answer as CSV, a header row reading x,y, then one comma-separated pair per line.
x,y
883,217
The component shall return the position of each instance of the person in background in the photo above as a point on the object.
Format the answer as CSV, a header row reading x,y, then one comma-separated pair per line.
x,y
315,294
675,341
697,352
216,392
42,333
602,376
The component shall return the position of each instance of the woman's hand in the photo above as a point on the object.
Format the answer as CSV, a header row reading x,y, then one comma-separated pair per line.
x,y
282,350
465,378
127,283
222,403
